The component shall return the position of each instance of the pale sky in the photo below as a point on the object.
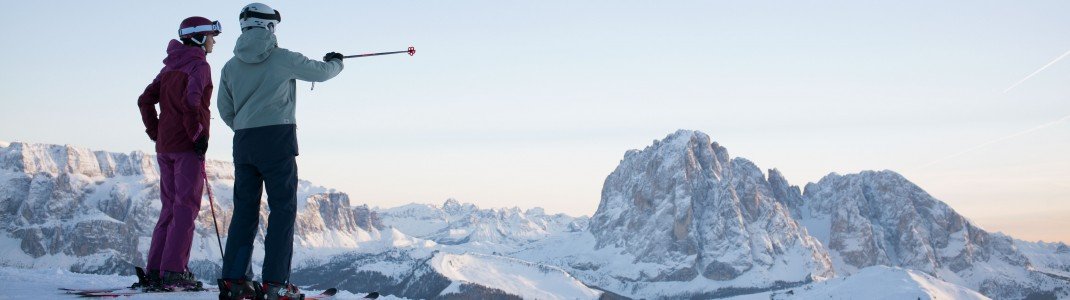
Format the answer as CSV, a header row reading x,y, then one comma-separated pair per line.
x,y
533,103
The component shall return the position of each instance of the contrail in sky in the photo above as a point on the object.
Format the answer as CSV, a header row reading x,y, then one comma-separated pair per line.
x,y
1025,132
975,148
1037,71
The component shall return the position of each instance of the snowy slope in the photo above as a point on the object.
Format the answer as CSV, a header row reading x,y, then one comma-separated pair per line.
x,y
878,282
513,276
45,284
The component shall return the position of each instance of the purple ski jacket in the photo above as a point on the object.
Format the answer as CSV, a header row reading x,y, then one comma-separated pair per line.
x,y
184,91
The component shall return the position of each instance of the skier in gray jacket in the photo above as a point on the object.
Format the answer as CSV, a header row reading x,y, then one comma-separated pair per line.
x,y
257,100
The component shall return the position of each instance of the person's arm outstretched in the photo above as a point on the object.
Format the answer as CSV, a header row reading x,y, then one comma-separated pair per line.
x,y
313,70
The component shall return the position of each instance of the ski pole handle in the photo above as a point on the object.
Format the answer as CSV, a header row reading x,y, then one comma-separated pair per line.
x,y
411,52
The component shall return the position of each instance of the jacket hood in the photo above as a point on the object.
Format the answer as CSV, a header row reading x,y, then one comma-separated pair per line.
x,y
179,55
255,45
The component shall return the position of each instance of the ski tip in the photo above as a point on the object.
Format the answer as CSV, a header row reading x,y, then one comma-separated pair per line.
x,y
330,291
372,295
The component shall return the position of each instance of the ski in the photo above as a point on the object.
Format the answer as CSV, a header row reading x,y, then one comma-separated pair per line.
x,y
329,294
142,281
81,291
120,293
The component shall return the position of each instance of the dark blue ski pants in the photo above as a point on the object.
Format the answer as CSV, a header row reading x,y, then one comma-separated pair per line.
x,y
255,168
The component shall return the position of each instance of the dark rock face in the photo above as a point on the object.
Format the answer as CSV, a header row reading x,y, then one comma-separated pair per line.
x,y
720,271
332,211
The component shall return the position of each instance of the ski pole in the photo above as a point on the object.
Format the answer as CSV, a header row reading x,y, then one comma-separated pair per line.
x,y
411,52
211,203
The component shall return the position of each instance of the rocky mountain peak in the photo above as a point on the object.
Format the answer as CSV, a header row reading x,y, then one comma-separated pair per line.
x,y
683,202
881,218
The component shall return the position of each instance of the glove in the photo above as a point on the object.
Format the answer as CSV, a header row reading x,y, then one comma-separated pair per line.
x,y
201,146
333,55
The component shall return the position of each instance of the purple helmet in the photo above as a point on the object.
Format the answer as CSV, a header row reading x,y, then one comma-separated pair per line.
x,y
197,28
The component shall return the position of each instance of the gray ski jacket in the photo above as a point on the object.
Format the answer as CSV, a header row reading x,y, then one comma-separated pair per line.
x,y
258,85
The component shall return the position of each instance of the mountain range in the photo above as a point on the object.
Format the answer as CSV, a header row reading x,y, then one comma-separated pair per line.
x,y
680,219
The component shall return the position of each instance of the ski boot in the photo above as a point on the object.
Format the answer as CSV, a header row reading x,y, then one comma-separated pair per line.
x,y
230,289
146,281
282,291
176,281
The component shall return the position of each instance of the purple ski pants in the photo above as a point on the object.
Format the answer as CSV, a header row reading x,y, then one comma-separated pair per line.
x,y
181,187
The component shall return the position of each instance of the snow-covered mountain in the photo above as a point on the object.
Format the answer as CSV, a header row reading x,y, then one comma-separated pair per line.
x,y
880,218
678,219
73,209
685,205
681,218
454,223
93,211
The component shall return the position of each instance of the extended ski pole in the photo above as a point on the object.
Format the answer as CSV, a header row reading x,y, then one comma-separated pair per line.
x,y
411,52
211,203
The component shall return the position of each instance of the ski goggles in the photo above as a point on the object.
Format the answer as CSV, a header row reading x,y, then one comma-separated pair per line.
x,y
252,14
214,27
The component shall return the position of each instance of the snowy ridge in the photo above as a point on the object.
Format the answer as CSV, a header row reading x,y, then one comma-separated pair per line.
x,y
513,276
1049,258
877,282
454,223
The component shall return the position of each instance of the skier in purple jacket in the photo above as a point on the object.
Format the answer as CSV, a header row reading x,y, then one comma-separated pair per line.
x,y
183,89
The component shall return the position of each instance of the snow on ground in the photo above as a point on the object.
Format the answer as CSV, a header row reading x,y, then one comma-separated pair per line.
x,y
46,284
878,282
514,276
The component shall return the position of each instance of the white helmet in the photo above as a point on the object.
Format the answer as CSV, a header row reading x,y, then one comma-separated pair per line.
x,y
259,15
